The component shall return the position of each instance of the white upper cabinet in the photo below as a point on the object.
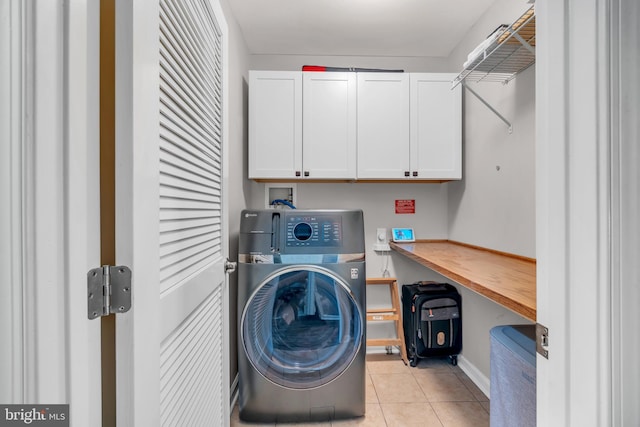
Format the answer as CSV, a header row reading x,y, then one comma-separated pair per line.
x,y
369,126
409,126
436,127
383,125
275,124
329,125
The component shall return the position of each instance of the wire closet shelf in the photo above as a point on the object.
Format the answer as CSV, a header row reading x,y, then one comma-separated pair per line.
x,y
511,52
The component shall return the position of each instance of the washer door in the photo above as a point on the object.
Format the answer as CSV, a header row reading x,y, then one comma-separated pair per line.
x,y
302,327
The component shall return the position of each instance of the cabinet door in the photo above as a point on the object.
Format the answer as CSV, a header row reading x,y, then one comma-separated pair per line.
x,y
383,125
275,124
329,125
436,127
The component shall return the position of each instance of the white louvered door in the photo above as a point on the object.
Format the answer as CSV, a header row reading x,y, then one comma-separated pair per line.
x,y
172,347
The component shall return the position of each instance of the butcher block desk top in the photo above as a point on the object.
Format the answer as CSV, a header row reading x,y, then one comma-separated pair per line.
x,y
509,280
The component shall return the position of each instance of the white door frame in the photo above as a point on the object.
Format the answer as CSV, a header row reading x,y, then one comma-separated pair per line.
x,y
81,171
625,223
571,202
11,175
55,205
584,252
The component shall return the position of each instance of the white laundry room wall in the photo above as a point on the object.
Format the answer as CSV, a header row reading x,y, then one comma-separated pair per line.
x,y
239,187
494,205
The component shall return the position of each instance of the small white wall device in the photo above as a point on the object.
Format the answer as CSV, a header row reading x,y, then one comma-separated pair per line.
x,y
403,235
382,241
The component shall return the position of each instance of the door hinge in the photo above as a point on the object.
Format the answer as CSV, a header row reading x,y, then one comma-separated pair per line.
x,y
542,340
108,290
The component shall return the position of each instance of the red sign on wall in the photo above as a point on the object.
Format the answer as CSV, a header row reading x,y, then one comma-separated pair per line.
x,y
407,206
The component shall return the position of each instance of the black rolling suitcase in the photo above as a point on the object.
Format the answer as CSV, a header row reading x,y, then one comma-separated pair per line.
x,y
432,321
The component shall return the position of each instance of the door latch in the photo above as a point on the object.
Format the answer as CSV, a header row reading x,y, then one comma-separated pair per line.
x,y
229,266
108,291
542,340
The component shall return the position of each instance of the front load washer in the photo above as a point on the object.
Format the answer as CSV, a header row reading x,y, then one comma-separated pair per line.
x,y
301,315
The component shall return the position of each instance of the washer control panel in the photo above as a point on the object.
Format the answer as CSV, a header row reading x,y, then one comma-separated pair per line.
x,y
314,230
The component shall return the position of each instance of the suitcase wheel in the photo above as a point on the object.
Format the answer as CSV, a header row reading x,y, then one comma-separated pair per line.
x,y
454,359
413,362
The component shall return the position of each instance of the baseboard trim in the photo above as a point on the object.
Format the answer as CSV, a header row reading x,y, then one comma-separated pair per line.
x,y
475,375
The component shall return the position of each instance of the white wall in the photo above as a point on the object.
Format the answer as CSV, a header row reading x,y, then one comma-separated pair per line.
x,y
494,205
239,186
490,207
378,204
625,221
10,211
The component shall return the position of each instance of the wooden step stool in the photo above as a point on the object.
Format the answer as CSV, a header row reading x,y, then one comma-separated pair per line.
x,y
392,313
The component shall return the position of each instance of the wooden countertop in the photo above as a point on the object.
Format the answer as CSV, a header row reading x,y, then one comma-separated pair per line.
x,y
509,280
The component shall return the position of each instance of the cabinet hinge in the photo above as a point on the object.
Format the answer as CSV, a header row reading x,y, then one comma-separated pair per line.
x,y
108,290
542,340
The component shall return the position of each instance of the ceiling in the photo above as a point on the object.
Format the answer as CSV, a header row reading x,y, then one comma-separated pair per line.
x,y
356,27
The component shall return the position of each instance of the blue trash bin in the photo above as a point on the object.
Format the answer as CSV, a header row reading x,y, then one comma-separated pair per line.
x,y
513,376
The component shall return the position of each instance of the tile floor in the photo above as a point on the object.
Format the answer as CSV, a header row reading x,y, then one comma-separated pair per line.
x,y
433,394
